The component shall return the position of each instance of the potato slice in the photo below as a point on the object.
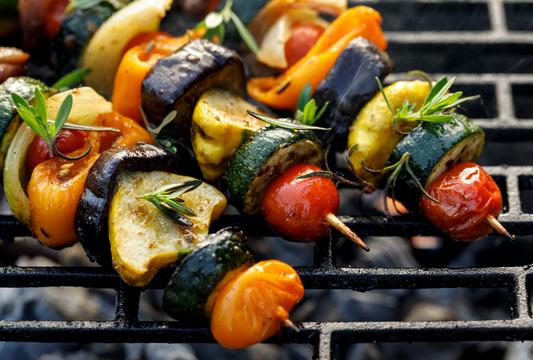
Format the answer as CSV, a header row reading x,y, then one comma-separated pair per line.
x,y
220,124
142,239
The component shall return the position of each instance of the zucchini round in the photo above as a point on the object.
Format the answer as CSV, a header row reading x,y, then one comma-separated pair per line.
x,y
91,222
195,284
256,163
434,149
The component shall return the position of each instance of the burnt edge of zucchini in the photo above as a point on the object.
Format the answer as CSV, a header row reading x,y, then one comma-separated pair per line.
x,y
200,272
249,159
349,85
427,144
91,221
177,81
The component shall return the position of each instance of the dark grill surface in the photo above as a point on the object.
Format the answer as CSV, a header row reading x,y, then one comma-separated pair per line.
x,y
489,46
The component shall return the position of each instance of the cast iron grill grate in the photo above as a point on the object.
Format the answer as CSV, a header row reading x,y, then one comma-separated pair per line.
x,y
489,45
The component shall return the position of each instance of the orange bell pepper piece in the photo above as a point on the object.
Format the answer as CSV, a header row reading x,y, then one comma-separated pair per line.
x,y
313,68
253,304
133,69
56,184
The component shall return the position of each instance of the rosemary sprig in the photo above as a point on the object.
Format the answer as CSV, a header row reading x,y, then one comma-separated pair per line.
x,y
436,104
285,123
37,119
71,79
306,110
165,142
81,4
215,22
167,200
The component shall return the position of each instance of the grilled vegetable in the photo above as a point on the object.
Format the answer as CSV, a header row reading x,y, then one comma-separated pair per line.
x,y
177,81
10,121
372,130
435,148
12,62
87,104
104,51
75,31
313,68
220,124
92,214
349,85
255,304
301,209
197,281
142,239
470,201
268,153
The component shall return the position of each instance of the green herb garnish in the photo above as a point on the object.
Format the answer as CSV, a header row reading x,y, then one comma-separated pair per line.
x,y
165,142
71,79
285,123
306,110
167,200
433,110
37,119
215,22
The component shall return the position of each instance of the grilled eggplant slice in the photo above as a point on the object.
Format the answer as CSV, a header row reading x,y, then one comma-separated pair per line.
x,y
142,239
91,221
349,85
195,284
261,159
177,81
10,121
220,124
434,149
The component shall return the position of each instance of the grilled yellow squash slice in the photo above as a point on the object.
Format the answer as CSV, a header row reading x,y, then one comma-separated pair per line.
x,y
372,130
142,239
220,124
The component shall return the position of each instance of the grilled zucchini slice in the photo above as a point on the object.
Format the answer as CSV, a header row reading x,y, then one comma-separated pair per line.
x,y
434,149
195,284
261,159
220,124
142,239
372,130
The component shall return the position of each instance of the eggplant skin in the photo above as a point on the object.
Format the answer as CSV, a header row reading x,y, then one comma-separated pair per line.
x,y
91,221
349,85
177,81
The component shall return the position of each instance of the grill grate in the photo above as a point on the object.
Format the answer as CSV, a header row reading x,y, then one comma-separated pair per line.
x,y
489,45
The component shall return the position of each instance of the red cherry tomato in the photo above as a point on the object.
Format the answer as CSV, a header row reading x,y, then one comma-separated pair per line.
x,y
38,150
304,35
297,208
467,194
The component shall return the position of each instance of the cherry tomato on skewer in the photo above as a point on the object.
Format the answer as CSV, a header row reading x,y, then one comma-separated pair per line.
x,y
470,202
304,209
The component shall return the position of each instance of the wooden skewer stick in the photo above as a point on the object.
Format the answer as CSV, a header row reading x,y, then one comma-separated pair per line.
x,y
495,224
346,231
289,325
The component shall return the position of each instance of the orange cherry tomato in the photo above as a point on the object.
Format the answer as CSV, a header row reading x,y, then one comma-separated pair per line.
x,y
297,208
304,34
67,142
251,306
467,194
56,184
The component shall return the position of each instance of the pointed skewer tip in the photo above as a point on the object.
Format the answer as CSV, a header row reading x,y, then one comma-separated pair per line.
x,y
346,231
496,225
